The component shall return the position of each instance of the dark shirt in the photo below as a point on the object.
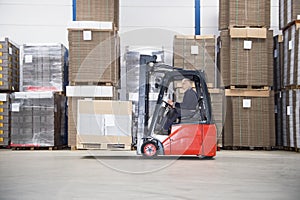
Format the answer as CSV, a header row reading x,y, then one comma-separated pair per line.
x,y
188,106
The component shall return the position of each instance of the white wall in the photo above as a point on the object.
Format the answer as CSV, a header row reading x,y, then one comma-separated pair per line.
x,y
31,21
35,21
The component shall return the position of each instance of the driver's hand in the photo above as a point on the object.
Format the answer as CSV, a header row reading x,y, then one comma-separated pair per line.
x,y
170,102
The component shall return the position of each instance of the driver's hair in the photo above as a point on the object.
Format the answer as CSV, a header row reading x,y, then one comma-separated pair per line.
x,y
188,82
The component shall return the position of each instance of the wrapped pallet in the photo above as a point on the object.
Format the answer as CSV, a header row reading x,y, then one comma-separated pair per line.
x,y
9,65
4,120
249,119
98,10
104,124
247,57
196,53
94,53
289,11
37,119
44,67
244,13
291,63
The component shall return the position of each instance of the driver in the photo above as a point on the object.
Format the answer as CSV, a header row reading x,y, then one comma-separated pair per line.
x,y
187,107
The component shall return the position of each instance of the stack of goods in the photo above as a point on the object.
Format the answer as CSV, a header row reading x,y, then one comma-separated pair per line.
x,y
9,66
9,82
98,10
104,124
246,64
289,19
44,67
37,119
94,47
196,53
5,120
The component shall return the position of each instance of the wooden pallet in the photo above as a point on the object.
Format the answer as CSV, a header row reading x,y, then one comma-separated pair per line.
x,y
91,83
104,146
296,22
32,148
248,87
252,148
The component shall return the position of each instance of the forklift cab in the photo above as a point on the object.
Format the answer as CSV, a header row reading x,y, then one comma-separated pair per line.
x,y
172,131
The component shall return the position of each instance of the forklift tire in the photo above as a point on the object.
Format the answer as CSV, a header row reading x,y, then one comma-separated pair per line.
x,y
149,149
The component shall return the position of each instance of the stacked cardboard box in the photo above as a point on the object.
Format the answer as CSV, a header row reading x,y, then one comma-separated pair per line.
x,y
98,10
196,53
246,64
37,119
289,17
5,119
9,65
102,124
44,67
244,13
249,122
94,47
94,58
291,55
246,57
289,11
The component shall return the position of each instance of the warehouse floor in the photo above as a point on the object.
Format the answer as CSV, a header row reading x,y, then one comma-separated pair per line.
x,y
29,175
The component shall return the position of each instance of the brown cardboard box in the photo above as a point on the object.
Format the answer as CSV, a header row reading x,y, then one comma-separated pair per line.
x,y
289,11
249,122
98,10
246,61
196,53
244,13
95,60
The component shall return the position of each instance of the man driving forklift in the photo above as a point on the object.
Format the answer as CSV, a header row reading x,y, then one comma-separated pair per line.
x,y
187,107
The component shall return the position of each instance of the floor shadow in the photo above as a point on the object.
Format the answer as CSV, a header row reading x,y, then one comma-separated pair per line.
x,y
137,157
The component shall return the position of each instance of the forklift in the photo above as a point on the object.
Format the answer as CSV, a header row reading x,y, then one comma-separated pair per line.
x,y
192,135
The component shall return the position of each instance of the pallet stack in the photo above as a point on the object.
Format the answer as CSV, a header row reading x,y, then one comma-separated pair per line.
x,y
199,53
38,119
38,114
9,82
246,64
94,71
289,92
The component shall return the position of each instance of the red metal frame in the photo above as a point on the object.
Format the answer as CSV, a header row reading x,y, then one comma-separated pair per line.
x,y
191,139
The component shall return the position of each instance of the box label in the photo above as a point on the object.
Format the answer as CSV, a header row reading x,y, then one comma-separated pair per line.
x,y
15,107
246,103
247,44
87,35
194,50
10,51
28,58
288,110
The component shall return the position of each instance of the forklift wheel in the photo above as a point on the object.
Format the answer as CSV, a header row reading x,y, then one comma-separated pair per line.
x,y
149,149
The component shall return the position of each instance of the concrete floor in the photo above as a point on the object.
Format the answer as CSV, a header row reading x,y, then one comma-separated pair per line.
x,y
29,175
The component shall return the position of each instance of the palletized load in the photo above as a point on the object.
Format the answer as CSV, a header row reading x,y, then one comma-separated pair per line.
x,y
4,119
9,65
246,57
94,53
44,67
291,56
37,119
97,10
249,120
244,13
289,11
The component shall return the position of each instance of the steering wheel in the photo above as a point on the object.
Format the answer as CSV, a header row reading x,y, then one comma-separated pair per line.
x,y
168,105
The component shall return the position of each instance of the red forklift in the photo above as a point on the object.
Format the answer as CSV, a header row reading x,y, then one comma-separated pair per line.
x,y
166,132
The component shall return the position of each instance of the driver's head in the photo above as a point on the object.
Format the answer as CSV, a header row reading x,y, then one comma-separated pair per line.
x,y
186,84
